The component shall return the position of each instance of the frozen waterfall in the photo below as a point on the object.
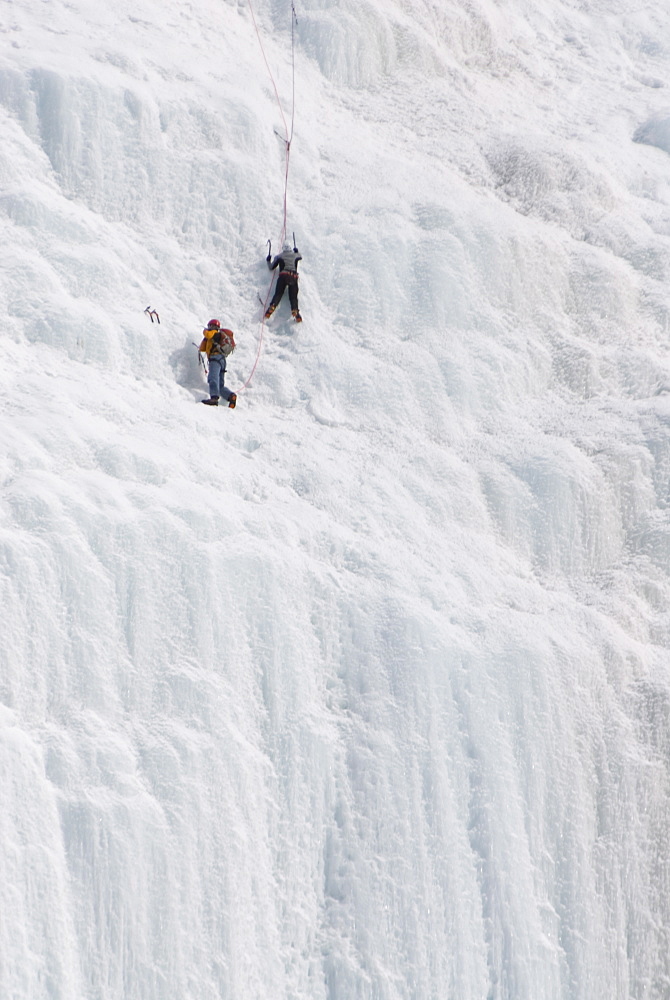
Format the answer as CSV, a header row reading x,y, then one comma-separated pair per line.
x,y
362,690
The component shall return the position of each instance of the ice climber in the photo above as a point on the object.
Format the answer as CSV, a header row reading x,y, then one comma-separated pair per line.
x,y
287,261
217,343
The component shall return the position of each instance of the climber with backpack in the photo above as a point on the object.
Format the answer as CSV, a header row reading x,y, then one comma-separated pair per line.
x,y
217,343
287,262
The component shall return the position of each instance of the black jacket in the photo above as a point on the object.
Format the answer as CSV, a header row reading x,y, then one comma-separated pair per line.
x,y
287,260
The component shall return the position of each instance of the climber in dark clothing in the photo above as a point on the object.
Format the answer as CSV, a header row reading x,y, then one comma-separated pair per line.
x,y
287,261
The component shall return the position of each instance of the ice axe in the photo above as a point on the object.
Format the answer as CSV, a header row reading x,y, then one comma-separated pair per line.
x,y
201,360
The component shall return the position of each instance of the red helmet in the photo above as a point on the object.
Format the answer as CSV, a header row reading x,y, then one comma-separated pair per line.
x,y
213,325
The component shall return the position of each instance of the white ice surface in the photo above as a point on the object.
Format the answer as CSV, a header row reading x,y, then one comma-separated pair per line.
x,y
362,690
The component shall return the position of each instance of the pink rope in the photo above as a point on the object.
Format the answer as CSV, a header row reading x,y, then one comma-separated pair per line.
x,y
287,143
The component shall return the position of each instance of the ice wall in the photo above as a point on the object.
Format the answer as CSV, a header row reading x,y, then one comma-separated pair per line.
x,y
362,690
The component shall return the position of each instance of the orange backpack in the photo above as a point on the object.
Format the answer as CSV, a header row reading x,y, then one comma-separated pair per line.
x,y
217,342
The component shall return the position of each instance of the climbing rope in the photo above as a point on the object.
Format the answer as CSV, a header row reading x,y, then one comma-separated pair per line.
x,y
294,21
287,156
288,132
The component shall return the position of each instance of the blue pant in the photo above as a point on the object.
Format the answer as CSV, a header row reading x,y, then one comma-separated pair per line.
x,y
215,377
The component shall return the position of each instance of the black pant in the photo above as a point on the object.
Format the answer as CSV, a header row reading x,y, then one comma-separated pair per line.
x,y
285,281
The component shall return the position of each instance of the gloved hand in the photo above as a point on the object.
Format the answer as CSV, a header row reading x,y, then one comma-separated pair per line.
x,y
269,258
